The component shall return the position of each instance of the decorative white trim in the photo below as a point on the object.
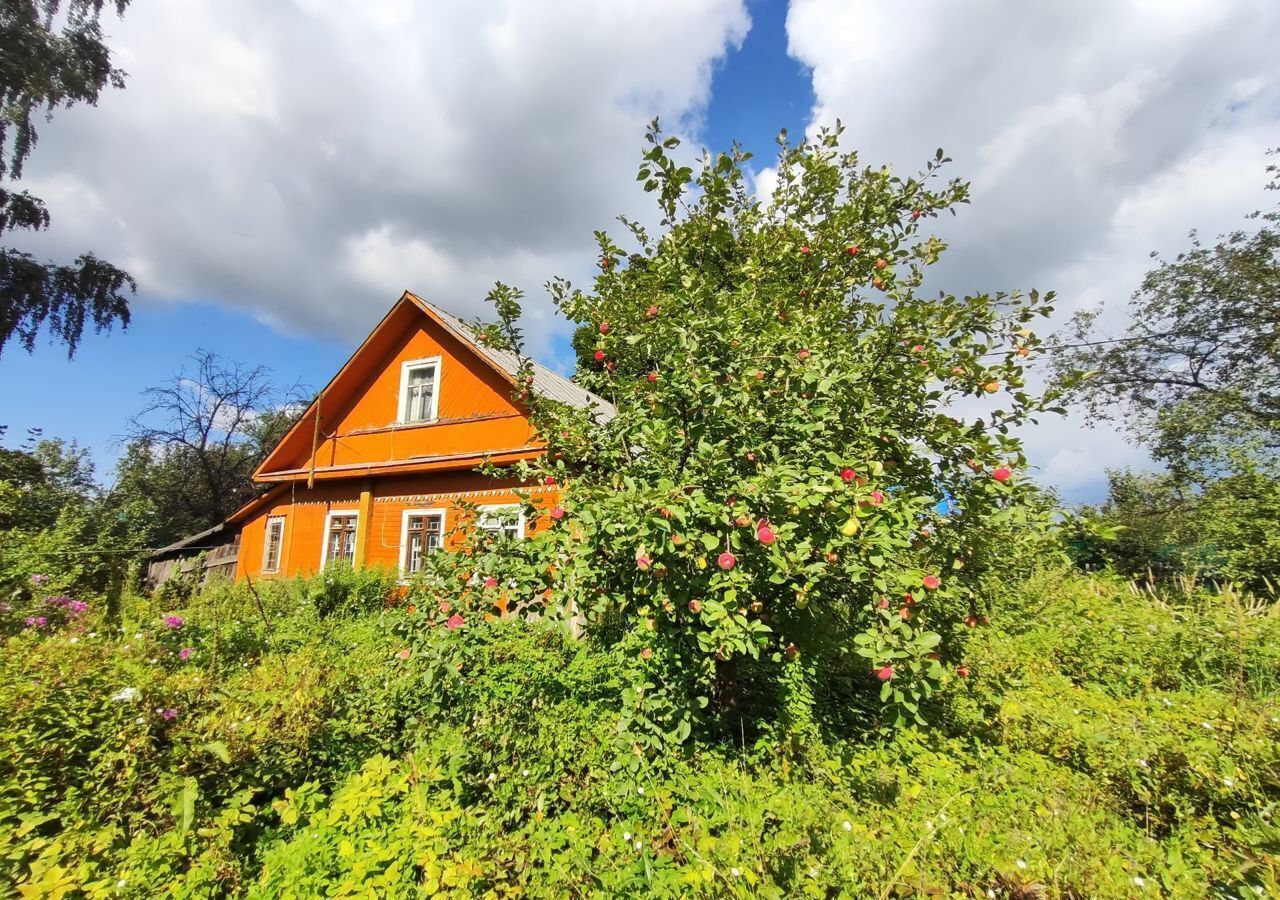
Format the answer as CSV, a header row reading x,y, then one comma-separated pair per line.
x,y
328,522
403,401
266,544
495,507
438,511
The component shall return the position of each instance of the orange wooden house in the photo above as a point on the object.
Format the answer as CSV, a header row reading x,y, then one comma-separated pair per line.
x,y
375,470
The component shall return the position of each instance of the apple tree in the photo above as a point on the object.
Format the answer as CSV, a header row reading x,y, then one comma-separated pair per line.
x,y
785,508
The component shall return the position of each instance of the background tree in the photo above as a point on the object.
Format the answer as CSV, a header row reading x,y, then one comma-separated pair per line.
x,y
1145,525
191,452
55,521
1197,373
50,57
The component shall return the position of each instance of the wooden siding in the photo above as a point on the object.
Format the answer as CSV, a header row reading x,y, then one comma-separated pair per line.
x,y
305,512
359,410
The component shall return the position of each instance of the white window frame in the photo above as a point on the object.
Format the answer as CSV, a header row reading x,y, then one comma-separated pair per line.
x,y
438,512
328,524
482,511
266,545
403,406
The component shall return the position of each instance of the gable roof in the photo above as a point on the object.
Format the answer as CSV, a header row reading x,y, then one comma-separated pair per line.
x,y
506,364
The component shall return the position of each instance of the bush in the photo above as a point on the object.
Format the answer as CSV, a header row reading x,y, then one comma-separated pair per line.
x,y
386,749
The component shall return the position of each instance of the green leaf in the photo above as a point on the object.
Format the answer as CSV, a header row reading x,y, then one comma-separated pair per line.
x,y
218,749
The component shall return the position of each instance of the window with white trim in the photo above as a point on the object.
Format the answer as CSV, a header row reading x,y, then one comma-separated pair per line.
x,y
422,534
507,520
419,390
340,539
272,544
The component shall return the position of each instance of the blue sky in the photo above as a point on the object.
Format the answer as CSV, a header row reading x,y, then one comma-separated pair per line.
x,y
272,210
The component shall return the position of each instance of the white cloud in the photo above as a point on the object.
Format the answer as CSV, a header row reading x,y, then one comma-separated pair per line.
x,y
308,160
1093,133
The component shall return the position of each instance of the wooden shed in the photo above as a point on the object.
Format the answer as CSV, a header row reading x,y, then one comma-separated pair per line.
x,y
215,550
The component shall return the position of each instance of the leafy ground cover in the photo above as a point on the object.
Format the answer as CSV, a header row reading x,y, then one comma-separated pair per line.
x,y
319,739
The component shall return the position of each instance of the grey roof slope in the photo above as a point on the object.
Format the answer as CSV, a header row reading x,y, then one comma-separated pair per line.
x,y
546,383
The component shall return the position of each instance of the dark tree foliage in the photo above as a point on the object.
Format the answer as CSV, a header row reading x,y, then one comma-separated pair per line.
x,y
51,56
192,451
1197,374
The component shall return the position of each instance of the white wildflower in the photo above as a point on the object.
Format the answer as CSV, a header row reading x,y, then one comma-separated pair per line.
x,y
524,773
125,695
1229,781
626,835
638,845
847,826
1142,763
74,640
139,720
1022,864
1139,880
640,791
734,872
1207,725
1168,702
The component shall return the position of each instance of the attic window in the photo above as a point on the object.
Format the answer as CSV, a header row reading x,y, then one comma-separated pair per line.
x,y
419,390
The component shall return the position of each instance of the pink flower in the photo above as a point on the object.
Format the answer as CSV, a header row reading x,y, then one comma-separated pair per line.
x,y
169,714
491,582
174,622
40,580
185,653
764,533
885,673
454,622
557,512
1001,474
931,582
726,560
403,654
